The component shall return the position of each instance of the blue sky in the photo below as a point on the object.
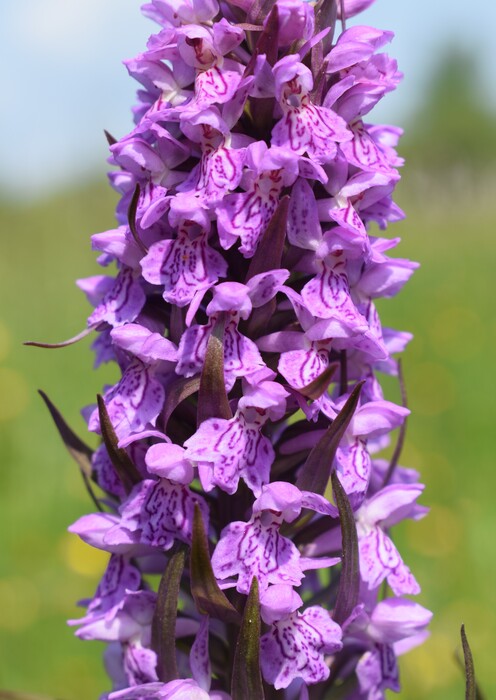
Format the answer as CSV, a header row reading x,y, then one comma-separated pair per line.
x,y
63,81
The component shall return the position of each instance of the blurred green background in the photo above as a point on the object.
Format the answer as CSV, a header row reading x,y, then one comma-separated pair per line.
x,y
448,192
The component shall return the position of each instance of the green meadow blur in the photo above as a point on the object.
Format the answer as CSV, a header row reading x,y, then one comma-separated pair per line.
x,y
448,193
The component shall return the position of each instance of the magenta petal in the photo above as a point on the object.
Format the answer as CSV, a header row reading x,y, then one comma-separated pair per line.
x,y
300,367
93,528
122,303
158,512
256,549
393,503
264,286
278,602
354,466
216,85
199,659
295,647
394,619
174,690
327,295
304,228
353,7
280,497
231,449
134,402
143,344
167,461
183,267
379,559
377,671
246,216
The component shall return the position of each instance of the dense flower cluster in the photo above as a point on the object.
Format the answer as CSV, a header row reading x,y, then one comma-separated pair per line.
x,y
237,458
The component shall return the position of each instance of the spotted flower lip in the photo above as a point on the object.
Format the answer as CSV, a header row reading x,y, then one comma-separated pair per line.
x,y
258,547
241,443
296,643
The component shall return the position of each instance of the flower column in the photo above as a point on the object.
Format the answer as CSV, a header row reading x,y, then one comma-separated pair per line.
x,y
237,458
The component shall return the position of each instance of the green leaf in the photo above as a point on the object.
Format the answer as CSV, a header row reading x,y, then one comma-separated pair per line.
x,y
127,472
131,215
165,615
78,450
246,676
318,386
349,582
314,475
212,398
209,598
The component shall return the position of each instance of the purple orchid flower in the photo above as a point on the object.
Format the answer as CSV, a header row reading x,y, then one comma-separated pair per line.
x,y
297,642
241,443
257,548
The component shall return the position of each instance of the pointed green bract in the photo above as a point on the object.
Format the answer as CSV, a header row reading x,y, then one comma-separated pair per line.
x,y
267,45
209,598
78,449
247,678
470,685
260,9
314,474
164,619
349,582
212,398
110,139
326,13
316,388
131,215
268,255
123,465
178,391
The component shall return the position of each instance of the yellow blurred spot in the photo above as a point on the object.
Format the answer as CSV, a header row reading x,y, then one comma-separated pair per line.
x,y
438,535
81,558
429,666
20,603
5,341
13,393
451,329
432,389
